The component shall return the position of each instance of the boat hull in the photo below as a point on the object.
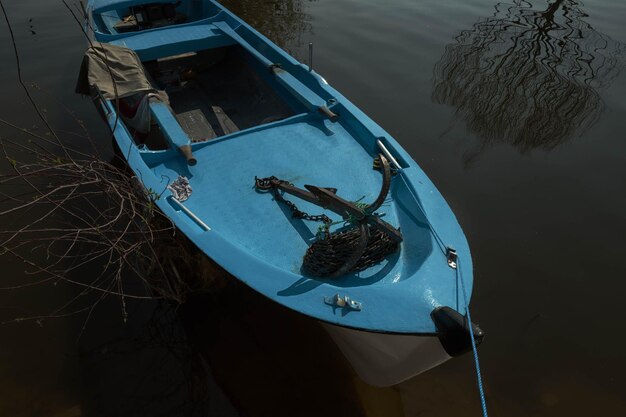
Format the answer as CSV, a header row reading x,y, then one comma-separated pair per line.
x,y
383,360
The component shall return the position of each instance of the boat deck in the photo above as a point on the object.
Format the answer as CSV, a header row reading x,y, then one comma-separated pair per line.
x,y
305,151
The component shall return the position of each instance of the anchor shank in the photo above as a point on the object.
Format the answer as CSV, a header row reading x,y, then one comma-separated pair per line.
x,y
334,203
298,192
326,198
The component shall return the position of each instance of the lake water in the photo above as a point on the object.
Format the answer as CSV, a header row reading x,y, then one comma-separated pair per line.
x,y
515,110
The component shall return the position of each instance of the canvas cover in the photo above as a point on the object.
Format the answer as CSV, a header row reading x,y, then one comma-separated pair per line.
x,y
115,70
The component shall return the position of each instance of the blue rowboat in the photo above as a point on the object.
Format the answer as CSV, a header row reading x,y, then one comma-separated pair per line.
x,y
294,191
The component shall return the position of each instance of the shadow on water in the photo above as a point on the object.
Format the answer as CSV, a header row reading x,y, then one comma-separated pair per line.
x,y
529,75
150,368
267,359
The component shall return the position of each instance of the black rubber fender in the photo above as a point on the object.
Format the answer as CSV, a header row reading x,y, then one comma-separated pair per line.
x,y
453,331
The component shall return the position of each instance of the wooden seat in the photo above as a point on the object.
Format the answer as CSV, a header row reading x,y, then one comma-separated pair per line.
x,y
196,125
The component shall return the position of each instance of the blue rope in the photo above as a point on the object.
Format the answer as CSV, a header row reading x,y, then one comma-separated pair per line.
x,y
483,402
444,249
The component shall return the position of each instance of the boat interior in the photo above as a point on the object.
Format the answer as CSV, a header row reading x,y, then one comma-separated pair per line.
x,y
210,94
215,93
132,16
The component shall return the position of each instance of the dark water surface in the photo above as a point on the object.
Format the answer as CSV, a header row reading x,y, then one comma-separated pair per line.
x,y
516,111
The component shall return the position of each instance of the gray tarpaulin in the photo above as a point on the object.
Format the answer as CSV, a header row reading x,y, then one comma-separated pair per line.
x,y
103,60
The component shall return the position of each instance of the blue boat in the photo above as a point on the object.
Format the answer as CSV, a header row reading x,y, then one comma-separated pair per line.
x,y
287,185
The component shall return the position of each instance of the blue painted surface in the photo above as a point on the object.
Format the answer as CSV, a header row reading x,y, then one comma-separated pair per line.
x,y
155,44
170,127
255,239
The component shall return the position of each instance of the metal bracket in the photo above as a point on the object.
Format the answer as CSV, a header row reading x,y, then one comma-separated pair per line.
x,y
452,257
343,302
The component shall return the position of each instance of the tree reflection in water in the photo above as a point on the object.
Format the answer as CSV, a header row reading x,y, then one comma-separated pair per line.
x,y
528,76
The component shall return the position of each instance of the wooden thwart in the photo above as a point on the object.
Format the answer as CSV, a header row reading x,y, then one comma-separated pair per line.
x,y
227,125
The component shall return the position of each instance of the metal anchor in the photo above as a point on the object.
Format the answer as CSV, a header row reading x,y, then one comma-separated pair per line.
x,y
326,198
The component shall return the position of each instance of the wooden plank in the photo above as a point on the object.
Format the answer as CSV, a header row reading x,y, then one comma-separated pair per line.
x,y
227,125
176,58
196,125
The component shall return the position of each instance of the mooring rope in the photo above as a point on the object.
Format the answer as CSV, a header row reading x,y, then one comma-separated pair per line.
x,y
479,378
